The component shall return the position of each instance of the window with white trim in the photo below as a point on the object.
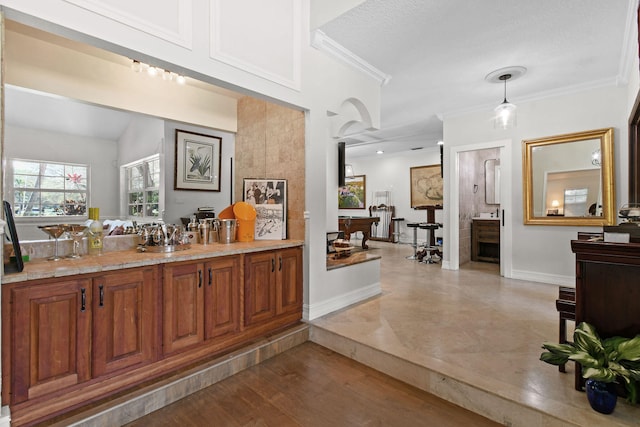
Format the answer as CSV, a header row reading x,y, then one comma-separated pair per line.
x,y
48,189
142,180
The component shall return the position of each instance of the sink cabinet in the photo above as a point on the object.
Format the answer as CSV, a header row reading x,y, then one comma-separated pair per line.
x,y
485,240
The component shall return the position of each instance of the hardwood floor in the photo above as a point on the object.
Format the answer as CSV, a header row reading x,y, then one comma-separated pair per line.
x,y
311,386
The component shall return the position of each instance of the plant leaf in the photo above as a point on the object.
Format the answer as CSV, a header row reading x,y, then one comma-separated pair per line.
x,y
554,358
585,338
632,392
629,349
586,360
599,374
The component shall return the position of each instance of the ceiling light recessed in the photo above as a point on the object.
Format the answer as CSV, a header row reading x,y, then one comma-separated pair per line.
x,y
379,152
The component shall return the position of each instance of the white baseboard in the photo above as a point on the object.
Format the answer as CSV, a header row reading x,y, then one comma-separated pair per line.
x,y
535,276
310,312
5,417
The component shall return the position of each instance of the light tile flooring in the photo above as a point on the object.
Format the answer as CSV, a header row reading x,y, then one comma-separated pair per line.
x,y
472,335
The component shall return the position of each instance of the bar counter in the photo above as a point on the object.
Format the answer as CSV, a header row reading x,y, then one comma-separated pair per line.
x,y
120,259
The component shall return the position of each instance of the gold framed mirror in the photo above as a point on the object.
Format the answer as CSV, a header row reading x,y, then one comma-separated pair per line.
x,y
569,179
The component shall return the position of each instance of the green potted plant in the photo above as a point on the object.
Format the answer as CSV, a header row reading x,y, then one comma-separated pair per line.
x,y
604,362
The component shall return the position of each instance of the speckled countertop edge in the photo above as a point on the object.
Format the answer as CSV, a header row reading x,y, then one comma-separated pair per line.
x,y
117,260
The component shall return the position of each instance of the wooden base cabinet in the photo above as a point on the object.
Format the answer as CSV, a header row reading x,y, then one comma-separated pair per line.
x,y
50,338
201,301
124,320
71,341
273,285
65,332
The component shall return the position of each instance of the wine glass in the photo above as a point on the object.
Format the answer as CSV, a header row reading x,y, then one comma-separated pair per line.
x,y
54,231
77,233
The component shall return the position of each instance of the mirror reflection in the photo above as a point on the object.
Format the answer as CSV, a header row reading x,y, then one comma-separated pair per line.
x,y
568,179
100,134
492,181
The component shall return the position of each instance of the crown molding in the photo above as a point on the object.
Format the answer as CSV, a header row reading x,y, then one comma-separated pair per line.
x,y
324,43
568,90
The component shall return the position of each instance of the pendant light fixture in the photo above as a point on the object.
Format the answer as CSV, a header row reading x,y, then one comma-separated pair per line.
x,y
505,113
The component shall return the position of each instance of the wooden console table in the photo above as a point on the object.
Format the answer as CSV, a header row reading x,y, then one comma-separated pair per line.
x,y
607,289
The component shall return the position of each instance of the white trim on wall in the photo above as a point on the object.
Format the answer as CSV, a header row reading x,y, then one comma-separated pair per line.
x,y
264,63
181,36
453,206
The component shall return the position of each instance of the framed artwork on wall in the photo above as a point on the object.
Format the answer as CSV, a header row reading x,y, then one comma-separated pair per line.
x,y
197,161
353,194
426,186
269,198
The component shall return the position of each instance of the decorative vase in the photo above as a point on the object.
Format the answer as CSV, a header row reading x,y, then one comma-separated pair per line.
x,y
602,396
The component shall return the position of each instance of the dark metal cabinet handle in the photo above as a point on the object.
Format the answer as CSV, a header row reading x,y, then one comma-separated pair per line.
x,y
83,299
273,265
101,288
210,276
280,266
199,278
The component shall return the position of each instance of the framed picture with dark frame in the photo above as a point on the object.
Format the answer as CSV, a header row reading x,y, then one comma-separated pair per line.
x,y
426,186
269,198
198,158
353,195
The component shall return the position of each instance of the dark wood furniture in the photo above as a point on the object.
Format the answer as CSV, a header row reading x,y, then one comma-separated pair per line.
x,y
566,306
607,289
75,340
351,224
431,219
485,240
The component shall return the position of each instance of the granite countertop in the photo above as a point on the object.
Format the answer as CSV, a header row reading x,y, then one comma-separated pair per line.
x,y
334,262
117,260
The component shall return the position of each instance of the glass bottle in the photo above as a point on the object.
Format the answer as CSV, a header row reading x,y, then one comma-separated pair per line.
x,y
95,232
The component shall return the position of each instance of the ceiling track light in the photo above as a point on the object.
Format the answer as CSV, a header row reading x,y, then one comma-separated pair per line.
x,y
140,67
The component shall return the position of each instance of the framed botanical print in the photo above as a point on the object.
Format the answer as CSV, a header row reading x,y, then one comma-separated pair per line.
x,y
197,161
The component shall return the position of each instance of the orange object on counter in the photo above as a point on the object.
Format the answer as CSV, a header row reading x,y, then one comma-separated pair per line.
x,y
245,215
227,213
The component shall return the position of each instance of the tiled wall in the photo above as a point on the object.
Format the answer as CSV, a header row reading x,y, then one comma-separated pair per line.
x,y
270,144
472,194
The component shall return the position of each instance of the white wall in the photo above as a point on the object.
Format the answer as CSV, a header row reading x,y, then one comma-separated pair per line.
x,y
99,154
543,253
390,172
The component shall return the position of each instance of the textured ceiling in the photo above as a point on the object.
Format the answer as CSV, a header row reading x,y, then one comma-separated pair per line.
x,y
438,53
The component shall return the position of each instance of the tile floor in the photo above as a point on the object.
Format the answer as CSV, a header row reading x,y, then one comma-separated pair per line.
x,y
469,336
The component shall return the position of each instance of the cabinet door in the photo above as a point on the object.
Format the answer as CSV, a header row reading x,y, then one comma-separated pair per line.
x,y
51,337
289,280
182,321
259,287
123,320
222,297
